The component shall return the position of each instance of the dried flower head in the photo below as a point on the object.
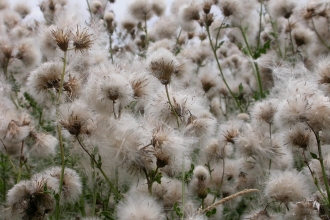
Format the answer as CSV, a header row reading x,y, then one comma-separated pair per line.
x,y
82,40
72,186
28,200
265,111
76,119
47,76
302,36
207,4
287,186
162,64
159,7
282,8
299,136
137,206
189,13
62,38
141,9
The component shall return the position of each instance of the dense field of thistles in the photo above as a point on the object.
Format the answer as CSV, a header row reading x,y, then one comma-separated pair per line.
x,y
217,109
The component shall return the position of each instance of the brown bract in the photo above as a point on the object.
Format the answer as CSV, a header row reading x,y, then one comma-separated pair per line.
x,y
162,71
62,38
82,40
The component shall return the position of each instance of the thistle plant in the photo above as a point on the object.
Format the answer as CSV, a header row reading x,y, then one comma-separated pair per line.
x,y
88,130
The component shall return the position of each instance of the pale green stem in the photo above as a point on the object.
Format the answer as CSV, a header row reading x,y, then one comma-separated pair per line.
x,y
57,212
320,159
220,69
260,23
254,64
94,190
89,9
98,165
172,107
110,49
62,77
319,36
183,189
146,30
291,39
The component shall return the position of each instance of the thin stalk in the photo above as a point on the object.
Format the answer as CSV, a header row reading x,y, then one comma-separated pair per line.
x,y
113,109
98,165
5,68
62,77
151,178
57,212
183,189
89,9
319,36
202,203
110,47
221,182
254,64
172,107
260,23
228,198
313,176
274,26
220,69
21,162
292,47
146,30
320,158
94,190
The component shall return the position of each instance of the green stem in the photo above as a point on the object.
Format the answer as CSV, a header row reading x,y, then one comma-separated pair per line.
x,y
292,47
57,212
260,23
146,30
319,36
220,69
313,176
254,64
89,9
320,158
110,49
325,178
183,189
274,26
172,107
94,190
98,165
21,163
62,77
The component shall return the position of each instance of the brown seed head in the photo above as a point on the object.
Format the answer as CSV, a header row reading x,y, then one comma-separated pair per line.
x,y
7,50
162,71
82,40
207,6
62,38
75,124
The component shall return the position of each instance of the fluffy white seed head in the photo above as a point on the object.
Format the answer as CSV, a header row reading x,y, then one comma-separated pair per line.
x,y
139,207
287,186
162,64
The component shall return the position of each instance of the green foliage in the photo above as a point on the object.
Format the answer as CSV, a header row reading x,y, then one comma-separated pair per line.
x,y
177,210
212,212
262,50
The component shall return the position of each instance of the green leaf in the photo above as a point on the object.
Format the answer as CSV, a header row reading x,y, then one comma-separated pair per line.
x,y
262,50
177,210
314,156
240,88
212,212
158,178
